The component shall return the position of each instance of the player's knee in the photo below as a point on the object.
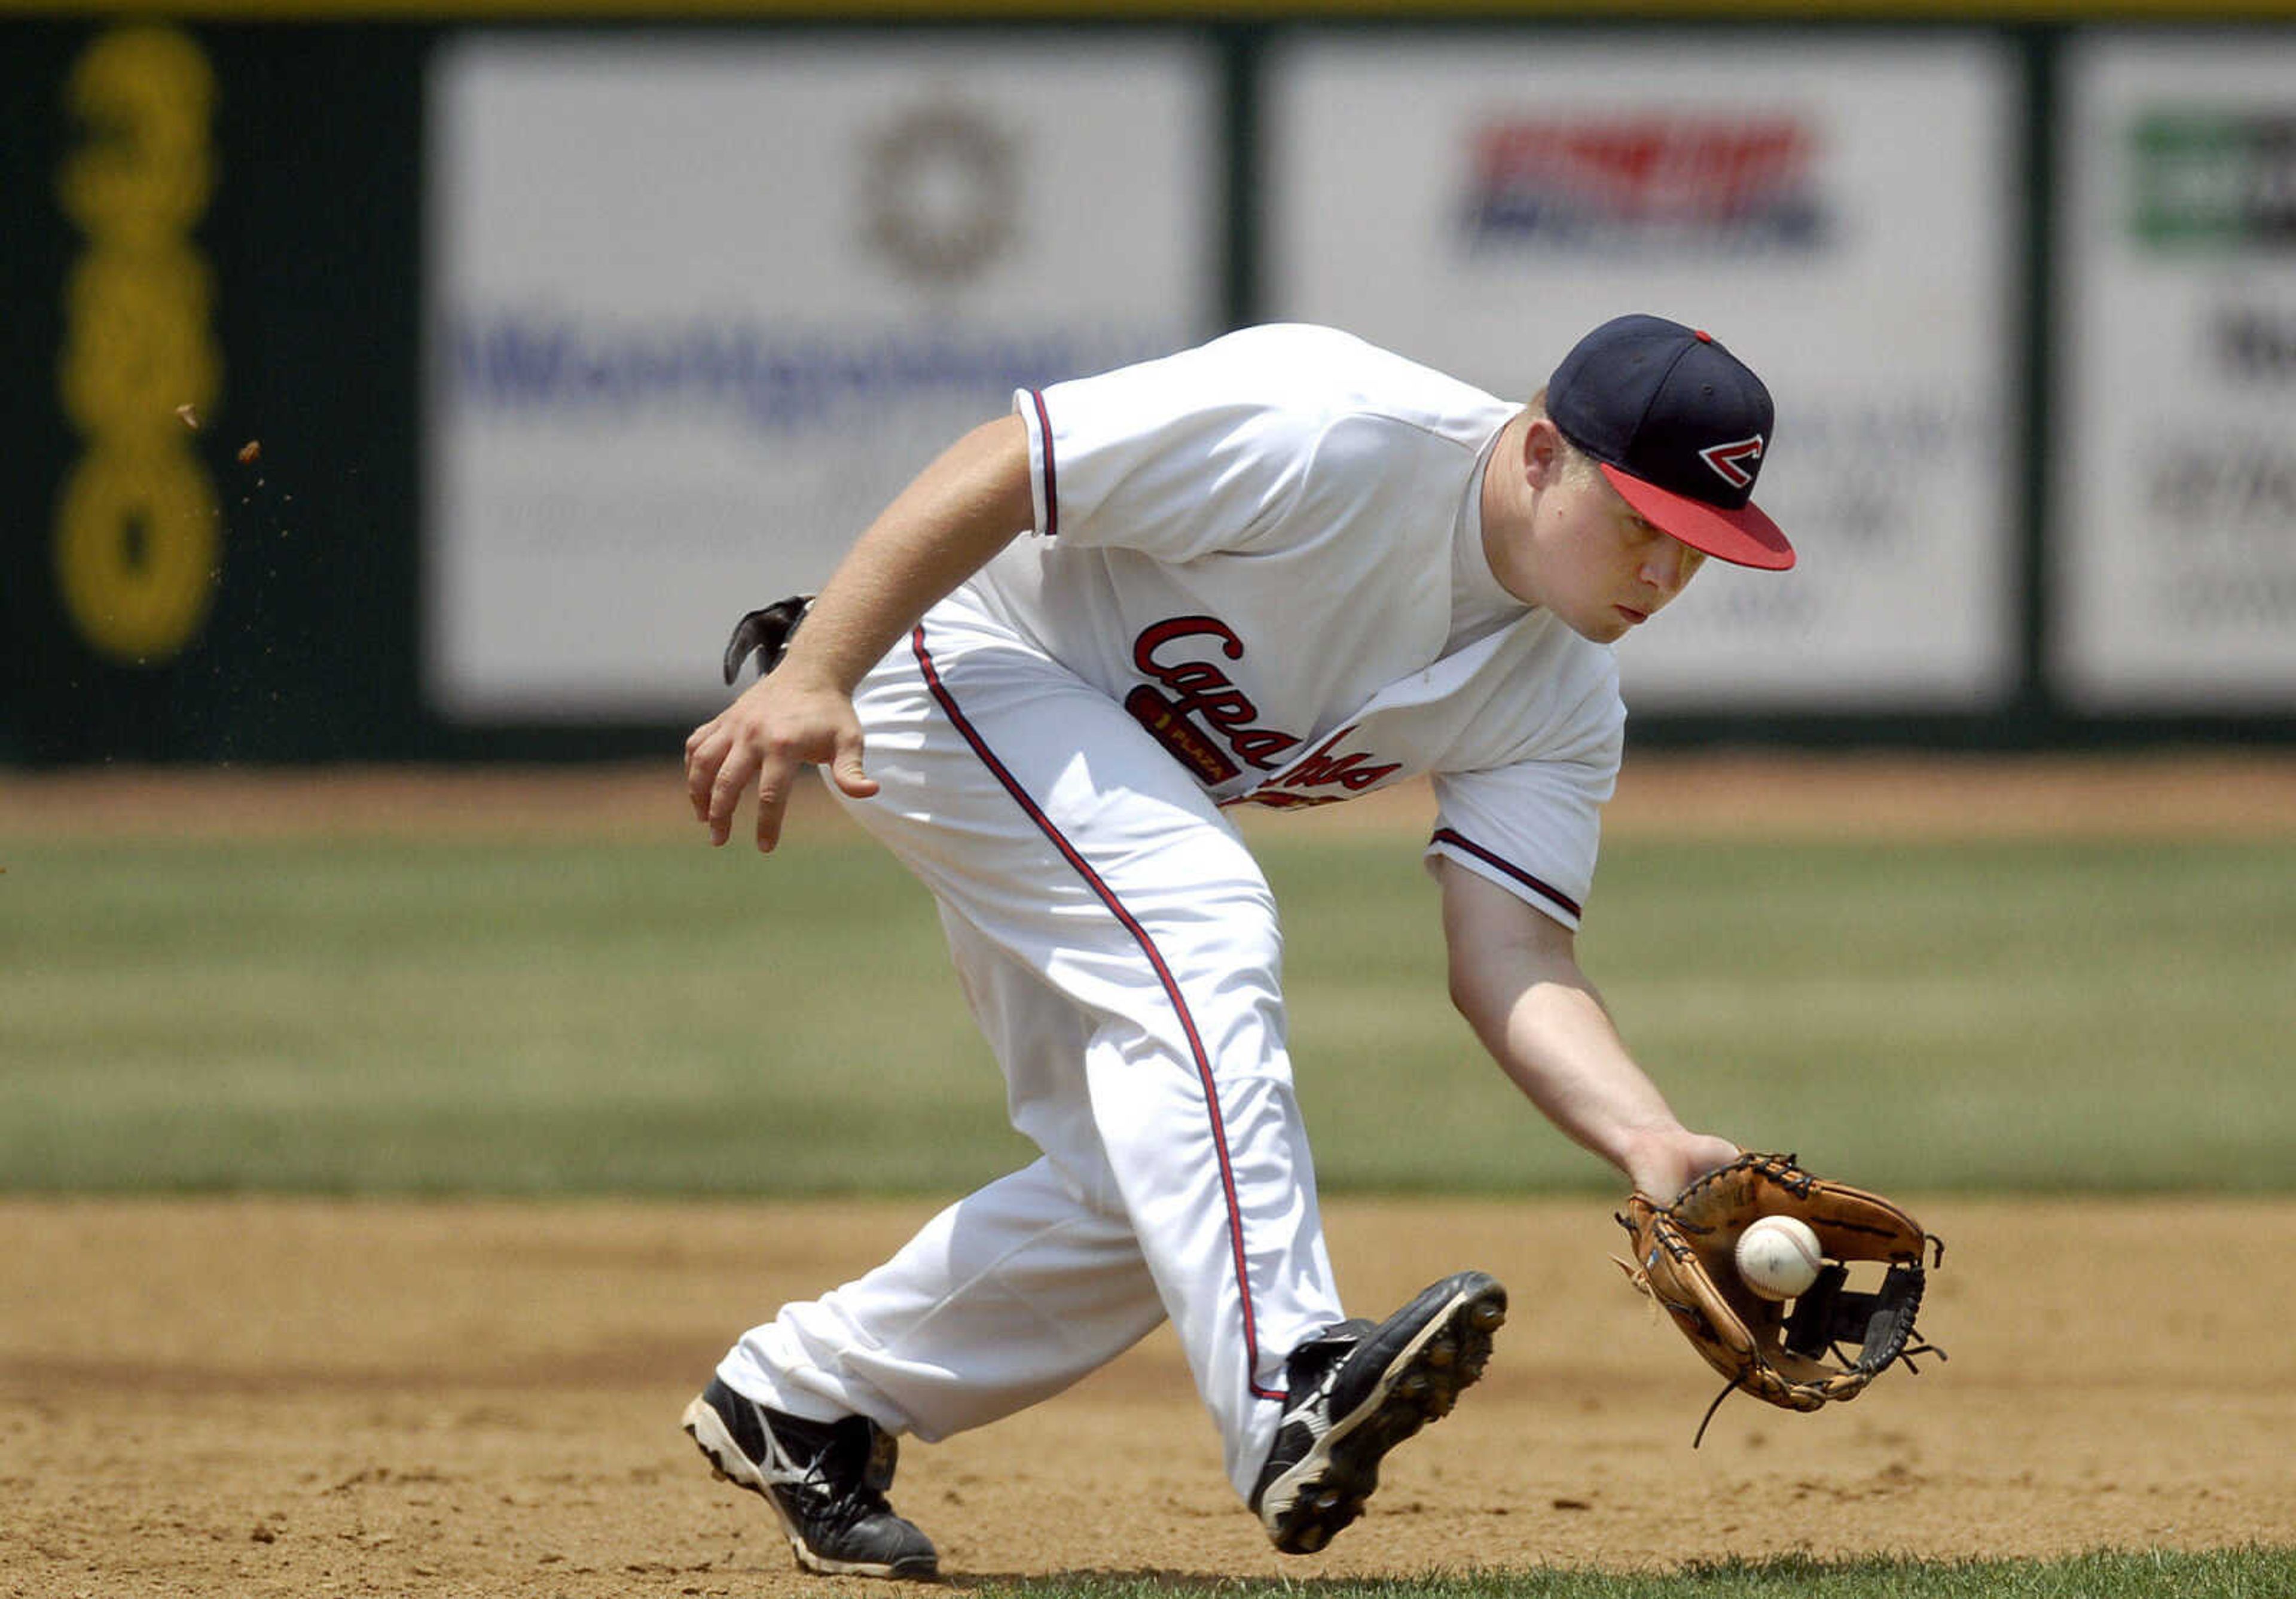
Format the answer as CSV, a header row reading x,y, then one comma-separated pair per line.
x,y
1245,958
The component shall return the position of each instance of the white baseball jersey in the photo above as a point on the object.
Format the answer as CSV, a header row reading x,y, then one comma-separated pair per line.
x,y
1269,549
1255,577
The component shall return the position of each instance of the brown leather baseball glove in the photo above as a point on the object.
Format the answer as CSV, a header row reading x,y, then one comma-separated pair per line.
x,y
1829,1342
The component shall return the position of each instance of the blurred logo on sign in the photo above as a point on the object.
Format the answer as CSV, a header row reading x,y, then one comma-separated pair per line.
x,y
1728,184
2254,344
940,193
2214,179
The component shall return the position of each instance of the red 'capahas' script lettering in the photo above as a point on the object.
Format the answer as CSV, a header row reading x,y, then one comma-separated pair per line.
x,y
1319,768
1200,688
1353,773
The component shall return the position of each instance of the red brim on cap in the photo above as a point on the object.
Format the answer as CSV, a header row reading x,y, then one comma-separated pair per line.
x,y
1742,538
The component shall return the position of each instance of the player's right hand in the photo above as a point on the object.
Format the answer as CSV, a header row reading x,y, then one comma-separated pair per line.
x,y
782,723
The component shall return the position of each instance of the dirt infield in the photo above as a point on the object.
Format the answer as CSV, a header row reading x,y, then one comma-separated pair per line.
x,y
277,1397
2196,793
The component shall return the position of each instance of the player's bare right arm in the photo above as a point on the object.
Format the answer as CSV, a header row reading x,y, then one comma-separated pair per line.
x,y
1515,977
944,526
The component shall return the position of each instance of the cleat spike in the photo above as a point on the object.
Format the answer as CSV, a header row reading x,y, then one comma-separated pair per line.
x,y
1358,1391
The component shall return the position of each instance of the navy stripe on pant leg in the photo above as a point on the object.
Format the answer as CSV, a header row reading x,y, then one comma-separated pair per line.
x,y
1107,897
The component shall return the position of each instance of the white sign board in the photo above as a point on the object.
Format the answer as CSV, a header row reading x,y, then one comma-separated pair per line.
x,y
1839,213
698,307
2174,576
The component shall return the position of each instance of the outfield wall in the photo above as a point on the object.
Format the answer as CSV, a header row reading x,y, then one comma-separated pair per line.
x,y
383,383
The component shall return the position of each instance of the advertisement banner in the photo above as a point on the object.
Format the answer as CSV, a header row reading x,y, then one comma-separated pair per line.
x,y
699,306
2174,563
1840,213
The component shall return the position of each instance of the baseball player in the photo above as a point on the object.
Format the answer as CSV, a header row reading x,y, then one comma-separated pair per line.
x,y
1283,569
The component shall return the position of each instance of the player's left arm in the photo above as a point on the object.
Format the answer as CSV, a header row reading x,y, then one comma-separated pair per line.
x,y
1515,978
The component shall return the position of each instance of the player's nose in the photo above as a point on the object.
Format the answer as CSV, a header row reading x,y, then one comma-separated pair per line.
x,y
1667,567
1681,564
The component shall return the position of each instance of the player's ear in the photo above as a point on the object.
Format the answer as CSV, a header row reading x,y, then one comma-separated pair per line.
x,y
1545,453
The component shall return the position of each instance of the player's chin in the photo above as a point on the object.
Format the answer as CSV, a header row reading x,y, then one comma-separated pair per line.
x,y
1605,627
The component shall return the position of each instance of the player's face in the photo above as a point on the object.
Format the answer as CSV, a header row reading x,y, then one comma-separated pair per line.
x,y
1569,543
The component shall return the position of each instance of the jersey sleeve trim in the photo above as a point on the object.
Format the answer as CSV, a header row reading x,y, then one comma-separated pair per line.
x,y
1047,486
1448,840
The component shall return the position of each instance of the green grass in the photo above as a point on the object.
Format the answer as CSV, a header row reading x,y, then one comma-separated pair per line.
x,y
1983,1017
448,1017
2226,1574
552,1018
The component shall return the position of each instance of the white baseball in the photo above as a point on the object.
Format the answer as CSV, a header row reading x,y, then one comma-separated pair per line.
x,y
1779,1257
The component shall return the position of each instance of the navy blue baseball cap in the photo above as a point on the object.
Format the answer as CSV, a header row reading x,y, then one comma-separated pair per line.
x,y
1679,426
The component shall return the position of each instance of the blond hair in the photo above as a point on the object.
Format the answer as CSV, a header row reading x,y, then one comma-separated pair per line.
x,y
1577,463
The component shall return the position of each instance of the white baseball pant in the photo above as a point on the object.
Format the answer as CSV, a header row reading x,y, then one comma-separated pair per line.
x,y
1119,945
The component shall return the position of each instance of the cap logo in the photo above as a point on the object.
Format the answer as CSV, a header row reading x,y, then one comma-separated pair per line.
x,y
1734,462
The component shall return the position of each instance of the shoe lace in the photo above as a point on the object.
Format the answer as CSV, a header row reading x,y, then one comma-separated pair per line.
x,y
1315,1365
843,1481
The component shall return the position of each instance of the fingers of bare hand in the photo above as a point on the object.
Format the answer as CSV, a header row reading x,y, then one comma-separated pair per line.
x,y
725,791
848,771
773,799
703,756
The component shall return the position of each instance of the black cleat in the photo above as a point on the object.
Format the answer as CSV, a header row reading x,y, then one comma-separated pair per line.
x,y
1358,1391
826,1481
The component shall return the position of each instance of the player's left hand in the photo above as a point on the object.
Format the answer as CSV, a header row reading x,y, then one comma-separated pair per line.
x,y
1666,1163
1836,1339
